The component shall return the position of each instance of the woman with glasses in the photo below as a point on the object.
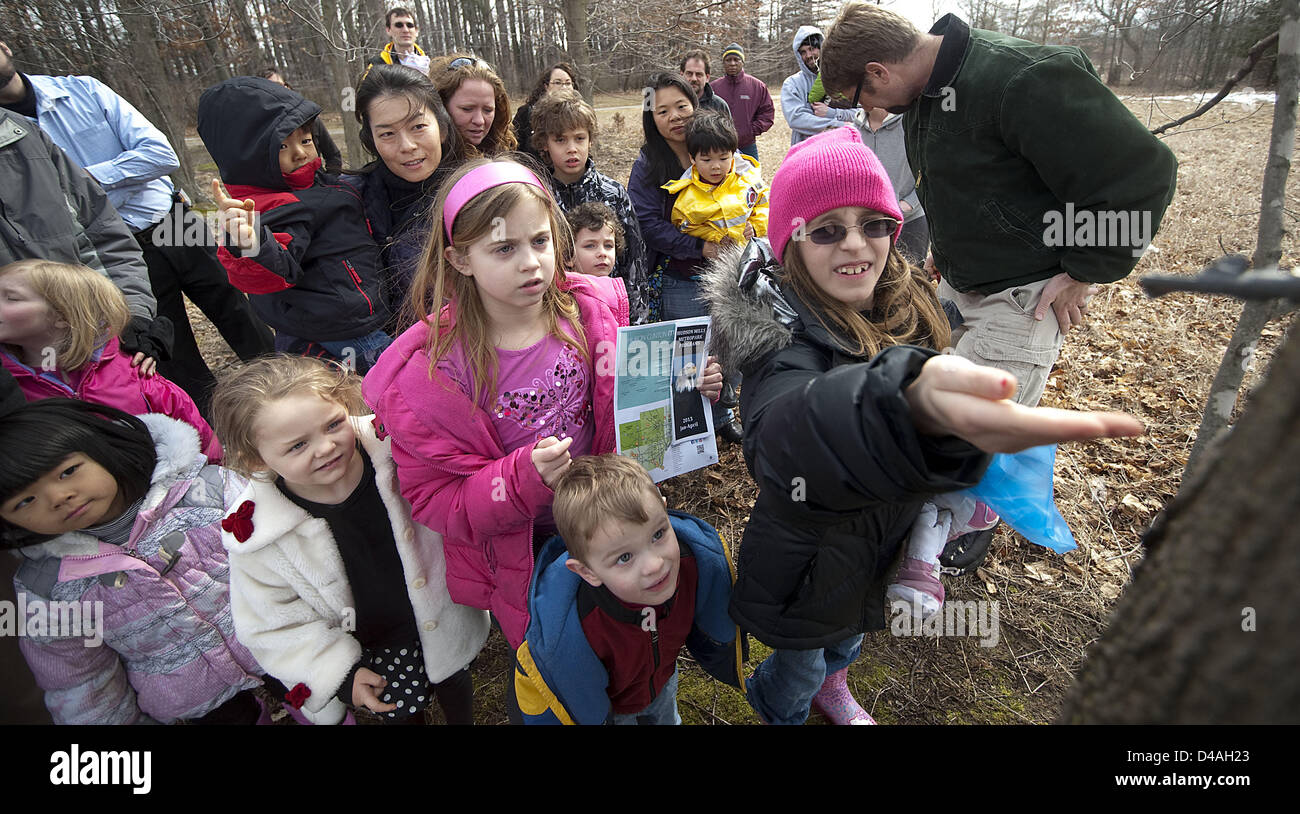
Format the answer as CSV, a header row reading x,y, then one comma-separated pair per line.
x,y
475,98
559,76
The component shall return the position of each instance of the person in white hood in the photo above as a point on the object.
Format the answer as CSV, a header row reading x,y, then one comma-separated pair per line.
x,y
805,118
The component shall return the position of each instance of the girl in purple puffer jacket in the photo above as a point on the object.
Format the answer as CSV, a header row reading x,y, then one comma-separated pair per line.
x,y
124,586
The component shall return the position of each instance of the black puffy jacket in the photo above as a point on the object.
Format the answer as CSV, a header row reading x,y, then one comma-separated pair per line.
x,y
316,275
841,471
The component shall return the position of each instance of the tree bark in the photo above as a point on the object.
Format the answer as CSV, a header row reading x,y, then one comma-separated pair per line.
x,y
1206,632
160,103
342,77
575,40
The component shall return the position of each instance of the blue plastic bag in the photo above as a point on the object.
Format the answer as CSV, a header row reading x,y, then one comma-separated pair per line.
x,y
1019,488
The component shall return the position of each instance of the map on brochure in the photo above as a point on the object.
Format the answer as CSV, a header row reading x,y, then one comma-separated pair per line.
x,y
661,419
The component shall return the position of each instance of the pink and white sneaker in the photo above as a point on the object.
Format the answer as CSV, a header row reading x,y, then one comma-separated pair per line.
x,y
838,704
917,585
979,516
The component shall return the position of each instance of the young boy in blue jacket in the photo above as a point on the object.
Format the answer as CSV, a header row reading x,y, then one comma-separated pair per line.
x,y
609,615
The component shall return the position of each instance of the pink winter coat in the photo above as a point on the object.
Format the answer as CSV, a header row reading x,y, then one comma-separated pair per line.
x,y
458,477
109,379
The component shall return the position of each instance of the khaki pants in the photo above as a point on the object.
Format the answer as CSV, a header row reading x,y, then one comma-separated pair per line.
x,y
1000,331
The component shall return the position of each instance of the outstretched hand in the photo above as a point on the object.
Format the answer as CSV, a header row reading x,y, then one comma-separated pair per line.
x,y
954,396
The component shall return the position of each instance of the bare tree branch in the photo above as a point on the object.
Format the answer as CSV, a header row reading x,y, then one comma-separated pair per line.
x,y
1252,57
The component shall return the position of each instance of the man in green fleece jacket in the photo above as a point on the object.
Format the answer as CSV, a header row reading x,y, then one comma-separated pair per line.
x,y
1038,183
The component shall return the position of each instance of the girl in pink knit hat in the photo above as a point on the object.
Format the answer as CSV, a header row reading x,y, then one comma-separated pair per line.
x,y
853,420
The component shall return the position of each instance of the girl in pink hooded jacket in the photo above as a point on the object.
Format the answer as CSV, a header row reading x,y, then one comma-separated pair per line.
x,y
58,329
506,374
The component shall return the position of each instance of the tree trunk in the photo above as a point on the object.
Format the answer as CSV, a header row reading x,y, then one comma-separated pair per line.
x,y
1268,248
575,41
341,77
212,42
160,104
1206,632
249,59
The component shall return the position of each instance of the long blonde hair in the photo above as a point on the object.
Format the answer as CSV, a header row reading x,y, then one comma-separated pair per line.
x,y
904,310
241,395
438,283
86,300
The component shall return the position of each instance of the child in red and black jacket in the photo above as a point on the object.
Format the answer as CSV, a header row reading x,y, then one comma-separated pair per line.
x,y
299,241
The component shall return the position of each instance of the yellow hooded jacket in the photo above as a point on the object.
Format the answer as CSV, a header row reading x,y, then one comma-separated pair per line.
x,y
714,213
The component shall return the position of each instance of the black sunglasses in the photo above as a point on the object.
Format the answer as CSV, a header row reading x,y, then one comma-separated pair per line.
x,y
465,62
841,102
835,232
400,24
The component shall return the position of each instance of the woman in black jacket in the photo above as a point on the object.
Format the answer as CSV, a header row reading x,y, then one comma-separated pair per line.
x,y
403,124
674,258
852,419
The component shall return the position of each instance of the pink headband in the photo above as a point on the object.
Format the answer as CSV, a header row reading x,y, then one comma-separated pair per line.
x,y
483,178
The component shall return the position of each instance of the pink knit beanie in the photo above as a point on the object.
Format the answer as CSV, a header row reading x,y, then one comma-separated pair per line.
x,y
831,169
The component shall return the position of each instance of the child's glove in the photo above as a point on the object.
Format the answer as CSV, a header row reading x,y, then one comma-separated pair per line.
x,y
148,340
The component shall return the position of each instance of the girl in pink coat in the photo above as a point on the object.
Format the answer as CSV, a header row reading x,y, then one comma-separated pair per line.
x,y
58,329
506,374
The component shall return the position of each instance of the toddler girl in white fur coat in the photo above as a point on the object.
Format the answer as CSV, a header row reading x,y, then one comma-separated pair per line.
x,y
340,606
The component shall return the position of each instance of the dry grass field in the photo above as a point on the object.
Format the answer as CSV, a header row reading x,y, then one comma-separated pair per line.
x,y
1152,358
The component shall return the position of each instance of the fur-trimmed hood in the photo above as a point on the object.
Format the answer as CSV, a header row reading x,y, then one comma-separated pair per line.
x,y
751,317
179,460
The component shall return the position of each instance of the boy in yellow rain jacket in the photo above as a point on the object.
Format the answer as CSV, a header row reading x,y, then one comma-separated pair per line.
x,y
722,198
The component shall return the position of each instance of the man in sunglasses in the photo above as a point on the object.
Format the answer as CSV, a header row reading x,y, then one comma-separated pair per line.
x,y
401,48
1008,138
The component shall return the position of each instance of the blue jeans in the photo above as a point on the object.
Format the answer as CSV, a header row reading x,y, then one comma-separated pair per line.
x,y
679,299
751,151
660,712
782,688
360,352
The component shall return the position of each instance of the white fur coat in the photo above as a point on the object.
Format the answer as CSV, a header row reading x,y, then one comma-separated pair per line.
x,y
292,602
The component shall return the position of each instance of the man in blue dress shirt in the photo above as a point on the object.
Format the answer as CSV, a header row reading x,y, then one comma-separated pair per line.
x,y
130,158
